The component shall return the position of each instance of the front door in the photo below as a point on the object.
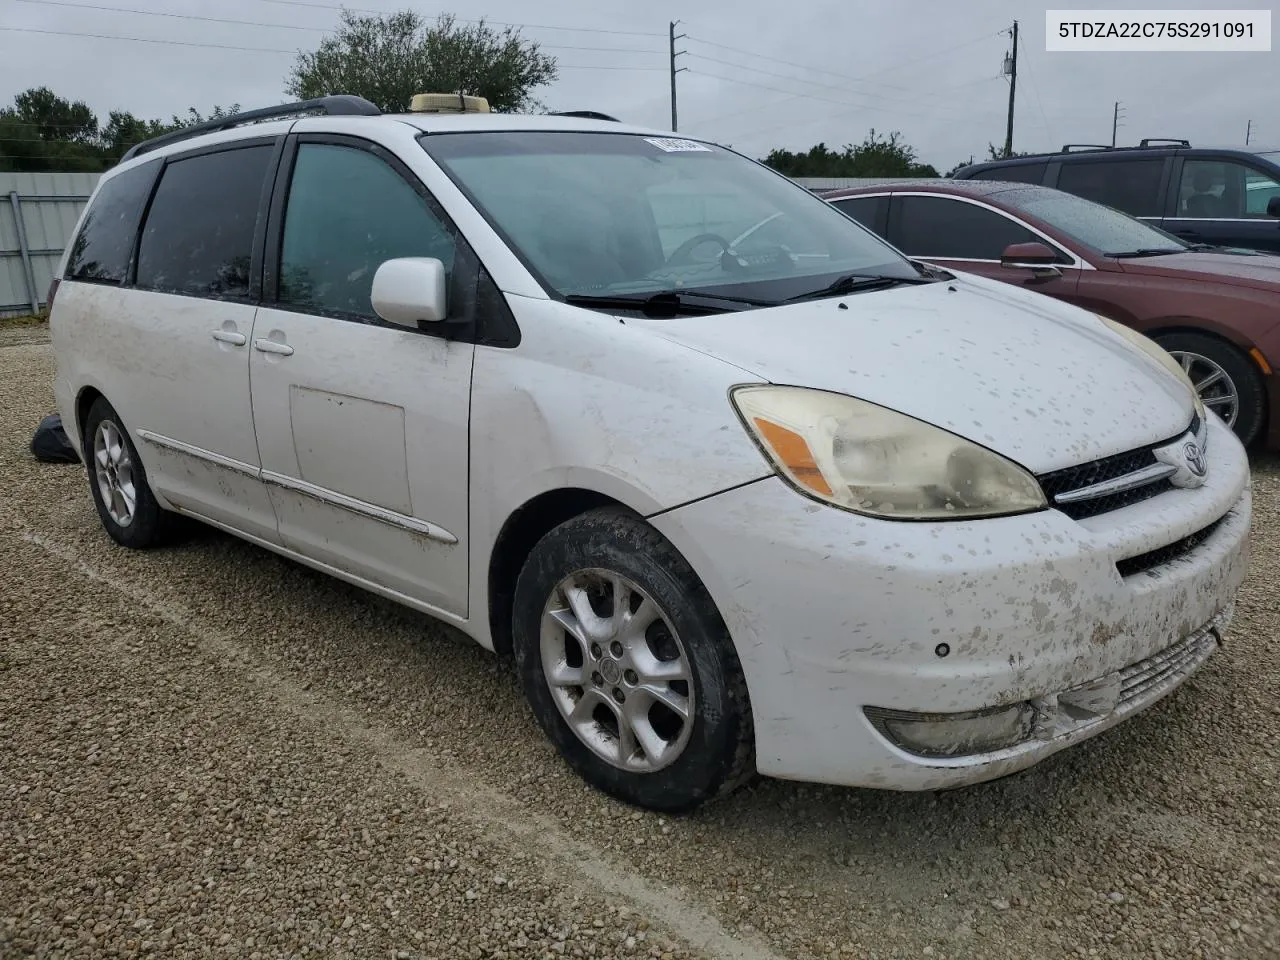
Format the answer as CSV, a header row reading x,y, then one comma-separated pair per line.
x,y
959,234
362,425
1223,202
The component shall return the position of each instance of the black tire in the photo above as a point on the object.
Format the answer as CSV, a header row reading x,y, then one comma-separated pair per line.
x,y
1240,370
718,754
150,525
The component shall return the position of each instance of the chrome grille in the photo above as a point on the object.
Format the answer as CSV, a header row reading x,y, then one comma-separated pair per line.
x,y
1140,467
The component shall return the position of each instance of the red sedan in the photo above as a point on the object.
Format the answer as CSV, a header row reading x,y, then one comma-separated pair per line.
x,y
1217,311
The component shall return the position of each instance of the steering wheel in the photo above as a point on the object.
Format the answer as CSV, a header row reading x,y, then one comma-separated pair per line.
x,y
681,253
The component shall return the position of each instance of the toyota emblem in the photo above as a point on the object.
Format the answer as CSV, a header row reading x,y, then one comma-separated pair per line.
x,y
1195,459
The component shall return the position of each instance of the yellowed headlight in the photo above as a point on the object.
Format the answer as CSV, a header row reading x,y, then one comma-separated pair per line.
x,y
871,460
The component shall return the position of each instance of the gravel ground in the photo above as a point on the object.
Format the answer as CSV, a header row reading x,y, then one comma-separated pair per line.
x,y
208,750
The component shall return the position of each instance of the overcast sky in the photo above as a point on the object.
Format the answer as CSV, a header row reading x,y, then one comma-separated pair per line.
x,y
759,75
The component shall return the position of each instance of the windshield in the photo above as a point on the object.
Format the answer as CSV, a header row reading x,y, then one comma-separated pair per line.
x,y
604,214
1102,228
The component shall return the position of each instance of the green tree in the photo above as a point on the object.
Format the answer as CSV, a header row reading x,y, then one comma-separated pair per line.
x,y
55,118
881,156
44,132
387,59
194,116
997,153
877,156
123,130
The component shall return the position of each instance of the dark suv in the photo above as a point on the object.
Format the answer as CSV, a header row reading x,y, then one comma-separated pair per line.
x,y
1220,196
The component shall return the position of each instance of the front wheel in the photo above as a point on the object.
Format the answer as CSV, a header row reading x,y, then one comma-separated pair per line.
x,y
1226,379
628,666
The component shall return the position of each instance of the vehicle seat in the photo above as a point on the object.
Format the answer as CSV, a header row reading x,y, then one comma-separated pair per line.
x,y
1203,203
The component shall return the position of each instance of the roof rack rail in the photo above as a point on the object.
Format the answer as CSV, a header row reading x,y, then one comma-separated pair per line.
x,y
342,105
585,115
1077,147
1177,142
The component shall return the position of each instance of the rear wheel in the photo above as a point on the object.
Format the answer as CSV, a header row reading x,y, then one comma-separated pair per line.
x,y
1228,382
118,482
628,665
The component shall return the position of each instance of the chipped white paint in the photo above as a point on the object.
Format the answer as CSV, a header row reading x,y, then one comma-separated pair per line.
x,y
1039,381
841,612
830,612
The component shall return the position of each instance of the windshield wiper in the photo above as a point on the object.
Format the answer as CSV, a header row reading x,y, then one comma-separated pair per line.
x,y
668,303
1145,252
932,271
858,283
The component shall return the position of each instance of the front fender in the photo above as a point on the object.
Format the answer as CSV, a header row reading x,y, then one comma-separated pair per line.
x,y
590,402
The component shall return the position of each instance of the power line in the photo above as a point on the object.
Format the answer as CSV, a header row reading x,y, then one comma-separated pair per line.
x,y
1012,71
843,103
282,26
825,86
852,109
844,76
672,38
227,46
1115,121
175,43
500,23
928,56
1035,90
176,16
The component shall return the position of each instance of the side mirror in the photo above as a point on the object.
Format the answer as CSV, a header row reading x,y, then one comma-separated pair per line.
x,y
1273,207
411,290
1035,256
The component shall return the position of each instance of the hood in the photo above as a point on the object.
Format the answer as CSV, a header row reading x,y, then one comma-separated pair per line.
x,y
1041,382
1258,271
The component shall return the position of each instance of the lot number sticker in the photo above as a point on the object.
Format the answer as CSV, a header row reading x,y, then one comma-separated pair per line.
x,y
675,145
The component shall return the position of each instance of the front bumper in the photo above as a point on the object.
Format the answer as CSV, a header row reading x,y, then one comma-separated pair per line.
x,y
832,613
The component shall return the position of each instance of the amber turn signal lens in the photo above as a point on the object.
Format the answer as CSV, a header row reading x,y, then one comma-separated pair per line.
x,y
792,451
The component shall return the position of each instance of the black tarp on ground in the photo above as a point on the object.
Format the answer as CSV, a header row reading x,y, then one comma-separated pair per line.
x,y
50,443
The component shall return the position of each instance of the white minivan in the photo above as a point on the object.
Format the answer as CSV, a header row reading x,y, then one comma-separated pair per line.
x,y
737,486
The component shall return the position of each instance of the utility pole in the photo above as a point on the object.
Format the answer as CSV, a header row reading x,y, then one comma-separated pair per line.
x,y
1115,122
1248,133
671,33
1011,68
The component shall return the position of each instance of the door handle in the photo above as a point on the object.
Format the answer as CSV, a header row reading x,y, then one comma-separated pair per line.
x,y
272,346
231,337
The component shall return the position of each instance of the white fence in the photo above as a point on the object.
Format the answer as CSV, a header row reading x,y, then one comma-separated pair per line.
x,y
38,211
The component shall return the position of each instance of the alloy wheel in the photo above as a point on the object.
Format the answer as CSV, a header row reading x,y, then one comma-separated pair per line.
x,y
1215,387
617,671
113,470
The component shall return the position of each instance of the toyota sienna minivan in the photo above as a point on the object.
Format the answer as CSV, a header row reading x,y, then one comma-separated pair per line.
x,y
737,486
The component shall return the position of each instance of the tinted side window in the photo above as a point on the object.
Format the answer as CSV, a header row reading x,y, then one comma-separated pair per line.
x,y
349,212
1223,189
942,228
1014,173
1132,186
101,251
862,209
198,239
